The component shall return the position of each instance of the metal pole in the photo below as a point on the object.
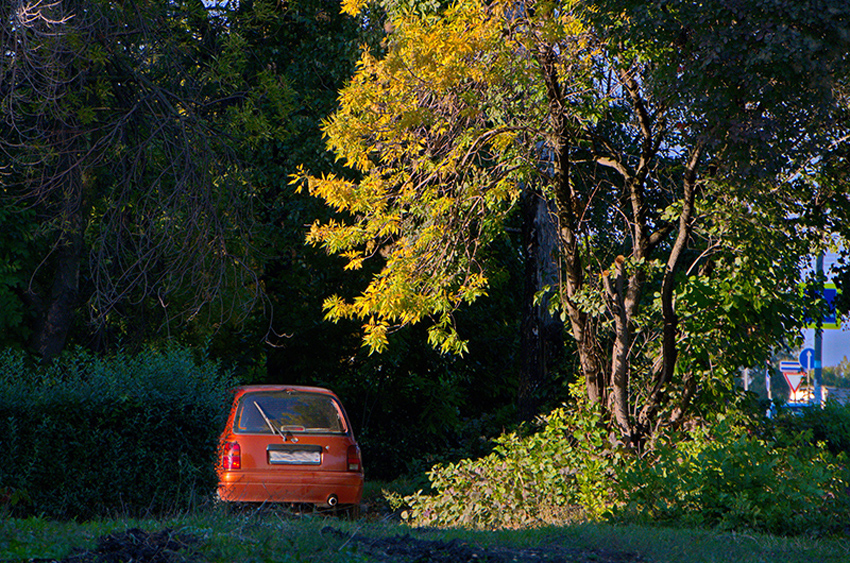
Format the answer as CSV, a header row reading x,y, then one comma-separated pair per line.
x,y
819,343
767,380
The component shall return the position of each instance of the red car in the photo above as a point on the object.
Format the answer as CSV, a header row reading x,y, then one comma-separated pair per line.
x,y
290,444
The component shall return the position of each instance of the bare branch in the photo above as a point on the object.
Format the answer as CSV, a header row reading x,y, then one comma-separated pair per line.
x,y
29,14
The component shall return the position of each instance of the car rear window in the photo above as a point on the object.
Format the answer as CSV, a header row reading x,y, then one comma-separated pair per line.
x,y
288,412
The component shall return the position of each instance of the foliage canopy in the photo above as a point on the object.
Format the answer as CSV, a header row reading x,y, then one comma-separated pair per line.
x,y
123,129
680,144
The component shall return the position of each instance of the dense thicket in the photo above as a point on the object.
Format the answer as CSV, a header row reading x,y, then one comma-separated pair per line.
x,y
621,173
179,223
676,145
125,435
734,473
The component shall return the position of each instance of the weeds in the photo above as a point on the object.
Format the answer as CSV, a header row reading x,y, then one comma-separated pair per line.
x,y
221,534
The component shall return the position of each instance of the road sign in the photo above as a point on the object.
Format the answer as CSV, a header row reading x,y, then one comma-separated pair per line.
x,y
807,359
830,318
793,373
790,366
794,379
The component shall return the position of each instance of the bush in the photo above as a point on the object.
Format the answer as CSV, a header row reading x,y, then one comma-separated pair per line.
x,y
728,477
736,476
558,473
829,425
89,437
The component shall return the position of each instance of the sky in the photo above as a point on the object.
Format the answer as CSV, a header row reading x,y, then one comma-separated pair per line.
x,y
836,345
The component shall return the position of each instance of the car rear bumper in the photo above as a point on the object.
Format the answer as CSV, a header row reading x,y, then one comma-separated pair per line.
x,y
321,488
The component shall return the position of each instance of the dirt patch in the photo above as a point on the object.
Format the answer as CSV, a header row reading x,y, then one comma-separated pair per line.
x,y
137,546
407,549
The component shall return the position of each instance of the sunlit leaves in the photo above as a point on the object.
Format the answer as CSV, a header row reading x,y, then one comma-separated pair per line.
x,y
662,147
353,7
439,137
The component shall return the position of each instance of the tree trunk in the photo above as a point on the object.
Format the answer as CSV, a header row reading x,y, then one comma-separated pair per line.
x,y
53,331
569,206
669,346
620,354
57,318
542,335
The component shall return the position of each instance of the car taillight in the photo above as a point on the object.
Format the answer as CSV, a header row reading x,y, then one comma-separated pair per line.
x,y
354,463
231,456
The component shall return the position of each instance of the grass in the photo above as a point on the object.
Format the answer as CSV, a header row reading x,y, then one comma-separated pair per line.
x,y
275,535
225,536
667,545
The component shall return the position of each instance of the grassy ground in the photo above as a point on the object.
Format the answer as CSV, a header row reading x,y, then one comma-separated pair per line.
x,y
270,536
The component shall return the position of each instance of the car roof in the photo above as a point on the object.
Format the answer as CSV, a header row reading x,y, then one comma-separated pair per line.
x,y
242,389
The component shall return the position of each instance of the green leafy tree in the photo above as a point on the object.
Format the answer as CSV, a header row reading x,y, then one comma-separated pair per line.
x,y
17,256
678,144
314,48
838,376
123,124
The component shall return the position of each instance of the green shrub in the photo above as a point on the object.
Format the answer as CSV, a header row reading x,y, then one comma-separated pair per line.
x,y
729,475
829,425
729,478
562,471
93,436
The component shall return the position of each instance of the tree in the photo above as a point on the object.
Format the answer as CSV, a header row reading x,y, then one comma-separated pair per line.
x,y
542,338
677,142
18,258
837,376
122,128
314,48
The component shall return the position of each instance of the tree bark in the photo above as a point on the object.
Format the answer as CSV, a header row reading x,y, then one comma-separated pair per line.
x,y
669,347
52,331
569,206
622,343
542,335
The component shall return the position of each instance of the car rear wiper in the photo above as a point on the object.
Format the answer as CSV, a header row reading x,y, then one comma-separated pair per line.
x,y
269,422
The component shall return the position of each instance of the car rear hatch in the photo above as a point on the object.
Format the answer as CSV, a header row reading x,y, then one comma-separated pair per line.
x,y
291,430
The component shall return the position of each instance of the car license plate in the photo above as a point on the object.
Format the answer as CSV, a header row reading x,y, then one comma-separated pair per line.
x,y
295,457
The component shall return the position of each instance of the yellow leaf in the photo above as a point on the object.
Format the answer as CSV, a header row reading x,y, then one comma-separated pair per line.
x,y
353,7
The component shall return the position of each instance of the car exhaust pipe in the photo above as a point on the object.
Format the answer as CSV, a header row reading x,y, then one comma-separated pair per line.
x,y
333,501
